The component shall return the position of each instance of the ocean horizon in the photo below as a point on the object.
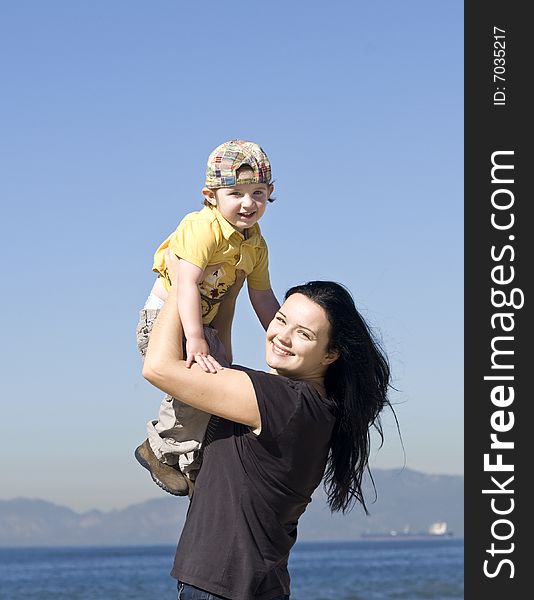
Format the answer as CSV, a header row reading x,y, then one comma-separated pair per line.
x,y
363,569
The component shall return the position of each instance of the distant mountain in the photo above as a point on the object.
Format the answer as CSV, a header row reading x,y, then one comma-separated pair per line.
x,y
25,522
406,500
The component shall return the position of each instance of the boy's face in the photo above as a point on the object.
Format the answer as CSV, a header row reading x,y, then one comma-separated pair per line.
x,y
242,205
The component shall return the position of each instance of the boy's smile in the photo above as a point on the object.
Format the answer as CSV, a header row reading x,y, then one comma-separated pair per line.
x,y
242,205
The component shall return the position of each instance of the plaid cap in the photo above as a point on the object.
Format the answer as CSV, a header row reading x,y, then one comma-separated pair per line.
x,y
225,160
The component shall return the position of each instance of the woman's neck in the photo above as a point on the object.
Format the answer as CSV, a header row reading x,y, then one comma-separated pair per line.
x,y
316,382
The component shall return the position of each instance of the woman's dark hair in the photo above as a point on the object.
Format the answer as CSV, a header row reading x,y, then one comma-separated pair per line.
x,y
358,383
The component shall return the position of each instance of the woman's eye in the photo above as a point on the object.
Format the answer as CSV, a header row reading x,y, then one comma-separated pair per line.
x,y
306,335
280,320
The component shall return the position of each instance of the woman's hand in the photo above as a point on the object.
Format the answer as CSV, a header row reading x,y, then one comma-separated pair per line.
x,y
233,291
225,315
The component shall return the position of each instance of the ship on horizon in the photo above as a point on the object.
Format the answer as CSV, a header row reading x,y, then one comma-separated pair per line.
x,y
437,529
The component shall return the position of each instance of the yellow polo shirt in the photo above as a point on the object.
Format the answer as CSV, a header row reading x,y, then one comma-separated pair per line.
x,y
206,239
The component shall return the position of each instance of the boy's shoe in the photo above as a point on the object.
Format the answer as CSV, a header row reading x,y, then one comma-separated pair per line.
x,y
170,479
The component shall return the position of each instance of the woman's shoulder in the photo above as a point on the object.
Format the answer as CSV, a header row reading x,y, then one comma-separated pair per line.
x,y
264,378
273,384
290,409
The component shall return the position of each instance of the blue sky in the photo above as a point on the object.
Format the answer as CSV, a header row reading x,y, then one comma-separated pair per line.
x,y
109,112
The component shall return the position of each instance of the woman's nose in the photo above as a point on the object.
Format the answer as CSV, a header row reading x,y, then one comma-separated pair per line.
x,y
284,336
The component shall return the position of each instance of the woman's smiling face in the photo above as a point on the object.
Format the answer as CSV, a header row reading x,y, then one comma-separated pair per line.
x,y
297,340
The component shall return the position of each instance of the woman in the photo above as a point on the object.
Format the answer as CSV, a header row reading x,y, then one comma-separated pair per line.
x,y
273,438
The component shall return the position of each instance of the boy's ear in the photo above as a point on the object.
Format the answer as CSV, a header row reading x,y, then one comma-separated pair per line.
x,y
209,195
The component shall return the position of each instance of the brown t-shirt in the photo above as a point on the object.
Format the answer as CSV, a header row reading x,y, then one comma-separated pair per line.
x,y
251,491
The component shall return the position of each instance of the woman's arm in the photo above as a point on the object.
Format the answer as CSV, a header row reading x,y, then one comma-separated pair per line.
x,y
265,305
225,315
228,393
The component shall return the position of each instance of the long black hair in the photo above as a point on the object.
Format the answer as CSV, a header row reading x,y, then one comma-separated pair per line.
x,y
358,382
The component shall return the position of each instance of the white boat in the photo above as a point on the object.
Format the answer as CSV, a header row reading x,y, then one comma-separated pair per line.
x,y
438,528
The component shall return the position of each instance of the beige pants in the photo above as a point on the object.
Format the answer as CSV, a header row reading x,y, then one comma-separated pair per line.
x,y
177,435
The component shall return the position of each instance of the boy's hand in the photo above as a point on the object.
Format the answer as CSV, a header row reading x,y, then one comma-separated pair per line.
x,y
198,351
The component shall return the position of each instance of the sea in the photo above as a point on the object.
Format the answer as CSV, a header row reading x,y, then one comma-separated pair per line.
x,y
370,569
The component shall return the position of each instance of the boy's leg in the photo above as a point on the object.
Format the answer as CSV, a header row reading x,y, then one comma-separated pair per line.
x,y
191,461
177,436
175,439
179,430
168,477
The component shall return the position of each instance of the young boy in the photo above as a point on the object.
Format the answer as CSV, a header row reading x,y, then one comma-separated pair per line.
x,y
213,244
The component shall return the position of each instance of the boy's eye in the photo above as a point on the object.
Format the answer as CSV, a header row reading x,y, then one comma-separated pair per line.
x,y
280,319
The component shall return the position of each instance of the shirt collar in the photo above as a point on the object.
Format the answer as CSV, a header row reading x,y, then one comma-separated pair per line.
x,y
228,230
